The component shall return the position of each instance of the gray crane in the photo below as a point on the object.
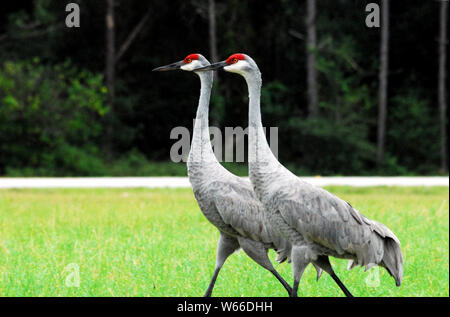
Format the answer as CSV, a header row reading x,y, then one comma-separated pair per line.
x,y
317,223
226,200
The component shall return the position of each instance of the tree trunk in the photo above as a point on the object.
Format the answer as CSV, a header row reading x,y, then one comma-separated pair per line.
x,y
311,70
214,58
442,83
109,71
383,79
212,32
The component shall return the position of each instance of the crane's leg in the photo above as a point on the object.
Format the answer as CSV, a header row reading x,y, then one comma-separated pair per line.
x,y
300,261
226,246
324,263
257,252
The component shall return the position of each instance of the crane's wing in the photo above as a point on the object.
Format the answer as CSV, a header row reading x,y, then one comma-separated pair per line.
x,y
238,206
331,222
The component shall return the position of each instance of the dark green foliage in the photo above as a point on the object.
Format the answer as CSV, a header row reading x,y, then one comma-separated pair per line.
x,y
327,147
50,118
412,131
52,111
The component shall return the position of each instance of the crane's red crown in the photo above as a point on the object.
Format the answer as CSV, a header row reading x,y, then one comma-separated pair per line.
x,y
190,58
233,59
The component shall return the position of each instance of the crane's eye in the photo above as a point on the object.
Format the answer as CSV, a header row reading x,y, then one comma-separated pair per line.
x,y
234,60
188,60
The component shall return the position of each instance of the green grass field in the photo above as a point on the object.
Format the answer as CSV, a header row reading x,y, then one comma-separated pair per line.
x,y
142,242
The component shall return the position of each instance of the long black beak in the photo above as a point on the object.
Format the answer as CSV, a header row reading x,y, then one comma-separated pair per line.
x,y
173,66
211,67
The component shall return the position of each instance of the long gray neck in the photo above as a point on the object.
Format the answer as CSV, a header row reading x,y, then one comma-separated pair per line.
x,y
201,148
259,150
254,83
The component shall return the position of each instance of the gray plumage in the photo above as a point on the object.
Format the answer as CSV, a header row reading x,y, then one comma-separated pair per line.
x,y
331,226
228,201
317,223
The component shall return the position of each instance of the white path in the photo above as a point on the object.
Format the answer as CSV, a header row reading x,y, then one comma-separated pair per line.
x,y
176,182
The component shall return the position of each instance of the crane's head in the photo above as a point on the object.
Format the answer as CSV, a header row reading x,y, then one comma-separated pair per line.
x,y
190,63
241,64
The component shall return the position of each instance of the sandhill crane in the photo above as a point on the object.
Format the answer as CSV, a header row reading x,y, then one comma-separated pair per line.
x,y
317,223
226,200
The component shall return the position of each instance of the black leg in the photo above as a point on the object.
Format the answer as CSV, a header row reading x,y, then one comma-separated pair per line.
x,y
211,284
295,289
283,282
341,285
258,253
299,263
226,246
324,263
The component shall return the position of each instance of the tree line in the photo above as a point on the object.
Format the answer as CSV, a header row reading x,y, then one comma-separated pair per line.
x,y
347,98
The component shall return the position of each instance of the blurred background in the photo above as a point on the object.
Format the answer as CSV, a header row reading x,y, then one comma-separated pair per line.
x,y
347,99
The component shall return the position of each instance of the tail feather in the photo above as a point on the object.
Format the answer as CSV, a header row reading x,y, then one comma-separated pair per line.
x,y
392,255
393,259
